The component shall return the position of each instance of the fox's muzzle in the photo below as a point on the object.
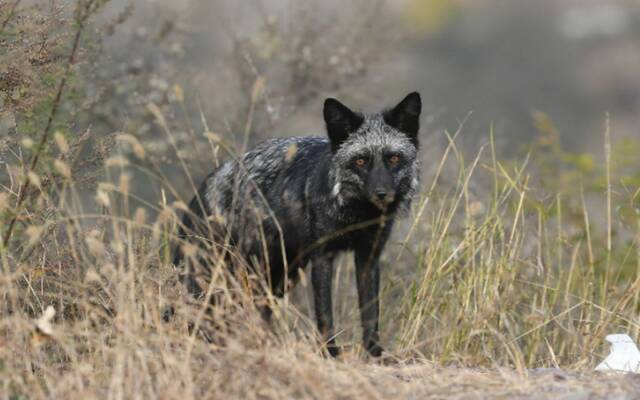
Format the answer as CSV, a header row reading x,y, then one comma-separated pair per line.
x,y
380,187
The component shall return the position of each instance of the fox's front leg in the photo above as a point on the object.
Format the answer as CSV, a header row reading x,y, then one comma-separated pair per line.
x,y
368,281
321,279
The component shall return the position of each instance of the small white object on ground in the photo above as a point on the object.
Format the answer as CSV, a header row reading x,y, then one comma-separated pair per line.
x,y
43,324
624,356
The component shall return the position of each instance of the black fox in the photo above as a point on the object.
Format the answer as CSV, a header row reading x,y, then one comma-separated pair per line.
x,y
295,201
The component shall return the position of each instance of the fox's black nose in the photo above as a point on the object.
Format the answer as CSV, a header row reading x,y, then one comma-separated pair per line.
x,y
385,196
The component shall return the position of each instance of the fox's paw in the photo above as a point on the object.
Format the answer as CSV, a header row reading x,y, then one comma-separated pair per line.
x,y
333,350
167,313
374,349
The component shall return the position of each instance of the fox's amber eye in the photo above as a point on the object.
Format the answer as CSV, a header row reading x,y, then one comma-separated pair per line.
x,y
360,162
394,159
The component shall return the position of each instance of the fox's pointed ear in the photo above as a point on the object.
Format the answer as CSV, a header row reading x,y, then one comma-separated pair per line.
x,y
405,117
340,120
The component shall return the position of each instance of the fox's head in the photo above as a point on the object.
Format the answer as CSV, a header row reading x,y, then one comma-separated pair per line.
x,y
374,155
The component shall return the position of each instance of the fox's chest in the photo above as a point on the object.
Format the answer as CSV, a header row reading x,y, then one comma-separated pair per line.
x,y
305,238
340,242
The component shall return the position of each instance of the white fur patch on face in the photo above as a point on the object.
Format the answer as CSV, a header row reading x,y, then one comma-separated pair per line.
x,y
414,183
336,189
336,192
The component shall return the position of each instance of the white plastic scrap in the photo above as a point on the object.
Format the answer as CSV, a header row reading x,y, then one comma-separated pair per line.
x,y
43,324
624,356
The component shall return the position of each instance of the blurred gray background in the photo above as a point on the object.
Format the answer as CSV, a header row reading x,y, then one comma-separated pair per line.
x,y
478,61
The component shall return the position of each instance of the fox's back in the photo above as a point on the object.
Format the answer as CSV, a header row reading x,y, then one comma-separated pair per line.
x,y
268,178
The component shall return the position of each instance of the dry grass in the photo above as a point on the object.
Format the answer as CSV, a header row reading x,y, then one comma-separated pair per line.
x,y
479,295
